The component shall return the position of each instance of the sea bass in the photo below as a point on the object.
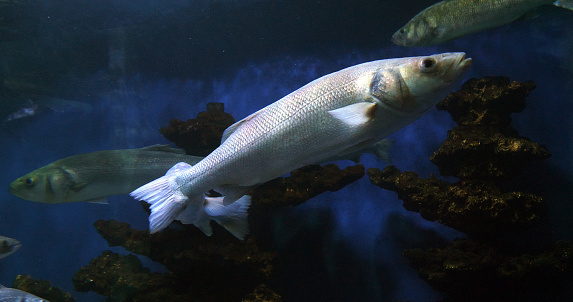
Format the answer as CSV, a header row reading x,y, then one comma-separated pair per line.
x,y
451,19
16,295
93,176
334,116
8,246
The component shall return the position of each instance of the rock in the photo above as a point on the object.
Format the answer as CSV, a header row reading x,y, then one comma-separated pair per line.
x,y
202,135
41,288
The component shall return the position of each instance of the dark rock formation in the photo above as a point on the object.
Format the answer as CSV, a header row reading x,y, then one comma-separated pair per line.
x,y
199,266
304,184
201,135
471,270
483,145
41,288
478,208
482,151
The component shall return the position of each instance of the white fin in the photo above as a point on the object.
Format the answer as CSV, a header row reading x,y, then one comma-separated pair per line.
x,y
568,4
230,130
192,213
381,150
163,148
232,217
166,203
101,200
232,193
204,226
178,167
355,114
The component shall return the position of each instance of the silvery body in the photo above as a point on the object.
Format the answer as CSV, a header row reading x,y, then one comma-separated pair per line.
x,y
334,116
93,176
8,246
450,19
16,295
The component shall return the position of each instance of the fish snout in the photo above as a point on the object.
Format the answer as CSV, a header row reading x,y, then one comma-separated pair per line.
x,y
459,65
398,38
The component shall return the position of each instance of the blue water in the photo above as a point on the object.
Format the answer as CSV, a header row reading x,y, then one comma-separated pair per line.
x,y
362,228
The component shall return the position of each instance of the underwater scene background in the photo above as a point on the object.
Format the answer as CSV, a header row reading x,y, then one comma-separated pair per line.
x,y
109,74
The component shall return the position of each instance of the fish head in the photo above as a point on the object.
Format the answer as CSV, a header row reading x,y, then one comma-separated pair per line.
x,y
8,246
420,31
416,84
47,184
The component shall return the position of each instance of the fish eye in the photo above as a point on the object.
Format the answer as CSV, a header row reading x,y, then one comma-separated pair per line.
x,y
428,64
29,181
402,31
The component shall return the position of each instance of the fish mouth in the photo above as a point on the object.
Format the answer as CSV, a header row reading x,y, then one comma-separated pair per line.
x,y
459,66
398,40
16,247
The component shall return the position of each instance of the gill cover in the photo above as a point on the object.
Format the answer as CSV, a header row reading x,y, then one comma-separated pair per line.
x,y
390,88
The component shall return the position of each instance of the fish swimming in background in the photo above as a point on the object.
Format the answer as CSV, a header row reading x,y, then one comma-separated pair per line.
x,y
16,295
335,116
8,246
93,176
451,19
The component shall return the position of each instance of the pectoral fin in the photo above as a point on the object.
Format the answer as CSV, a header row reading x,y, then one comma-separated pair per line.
x,y
355,114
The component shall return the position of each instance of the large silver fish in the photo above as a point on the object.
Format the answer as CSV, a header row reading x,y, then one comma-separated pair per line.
x,y
451,19
8,246
16,295
334,116
94,176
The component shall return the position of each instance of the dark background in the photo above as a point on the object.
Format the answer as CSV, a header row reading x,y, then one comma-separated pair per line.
x,y
119,70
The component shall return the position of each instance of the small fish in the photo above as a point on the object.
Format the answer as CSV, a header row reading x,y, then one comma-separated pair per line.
x,y
42,105
93,176
16,295
335,116
8,246
29,109
451,19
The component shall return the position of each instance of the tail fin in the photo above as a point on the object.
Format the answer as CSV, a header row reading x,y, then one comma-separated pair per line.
x,y
166,203
568,4
232,217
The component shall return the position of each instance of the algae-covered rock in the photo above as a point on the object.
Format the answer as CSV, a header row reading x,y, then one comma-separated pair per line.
x,y
123,278
477,208
483,151
197,264
41,288
470,270
201,135
305,183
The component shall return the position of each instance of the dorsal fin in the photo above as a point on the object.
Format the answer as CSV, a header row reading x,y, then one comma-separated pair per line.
x,y
178,167
236,125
